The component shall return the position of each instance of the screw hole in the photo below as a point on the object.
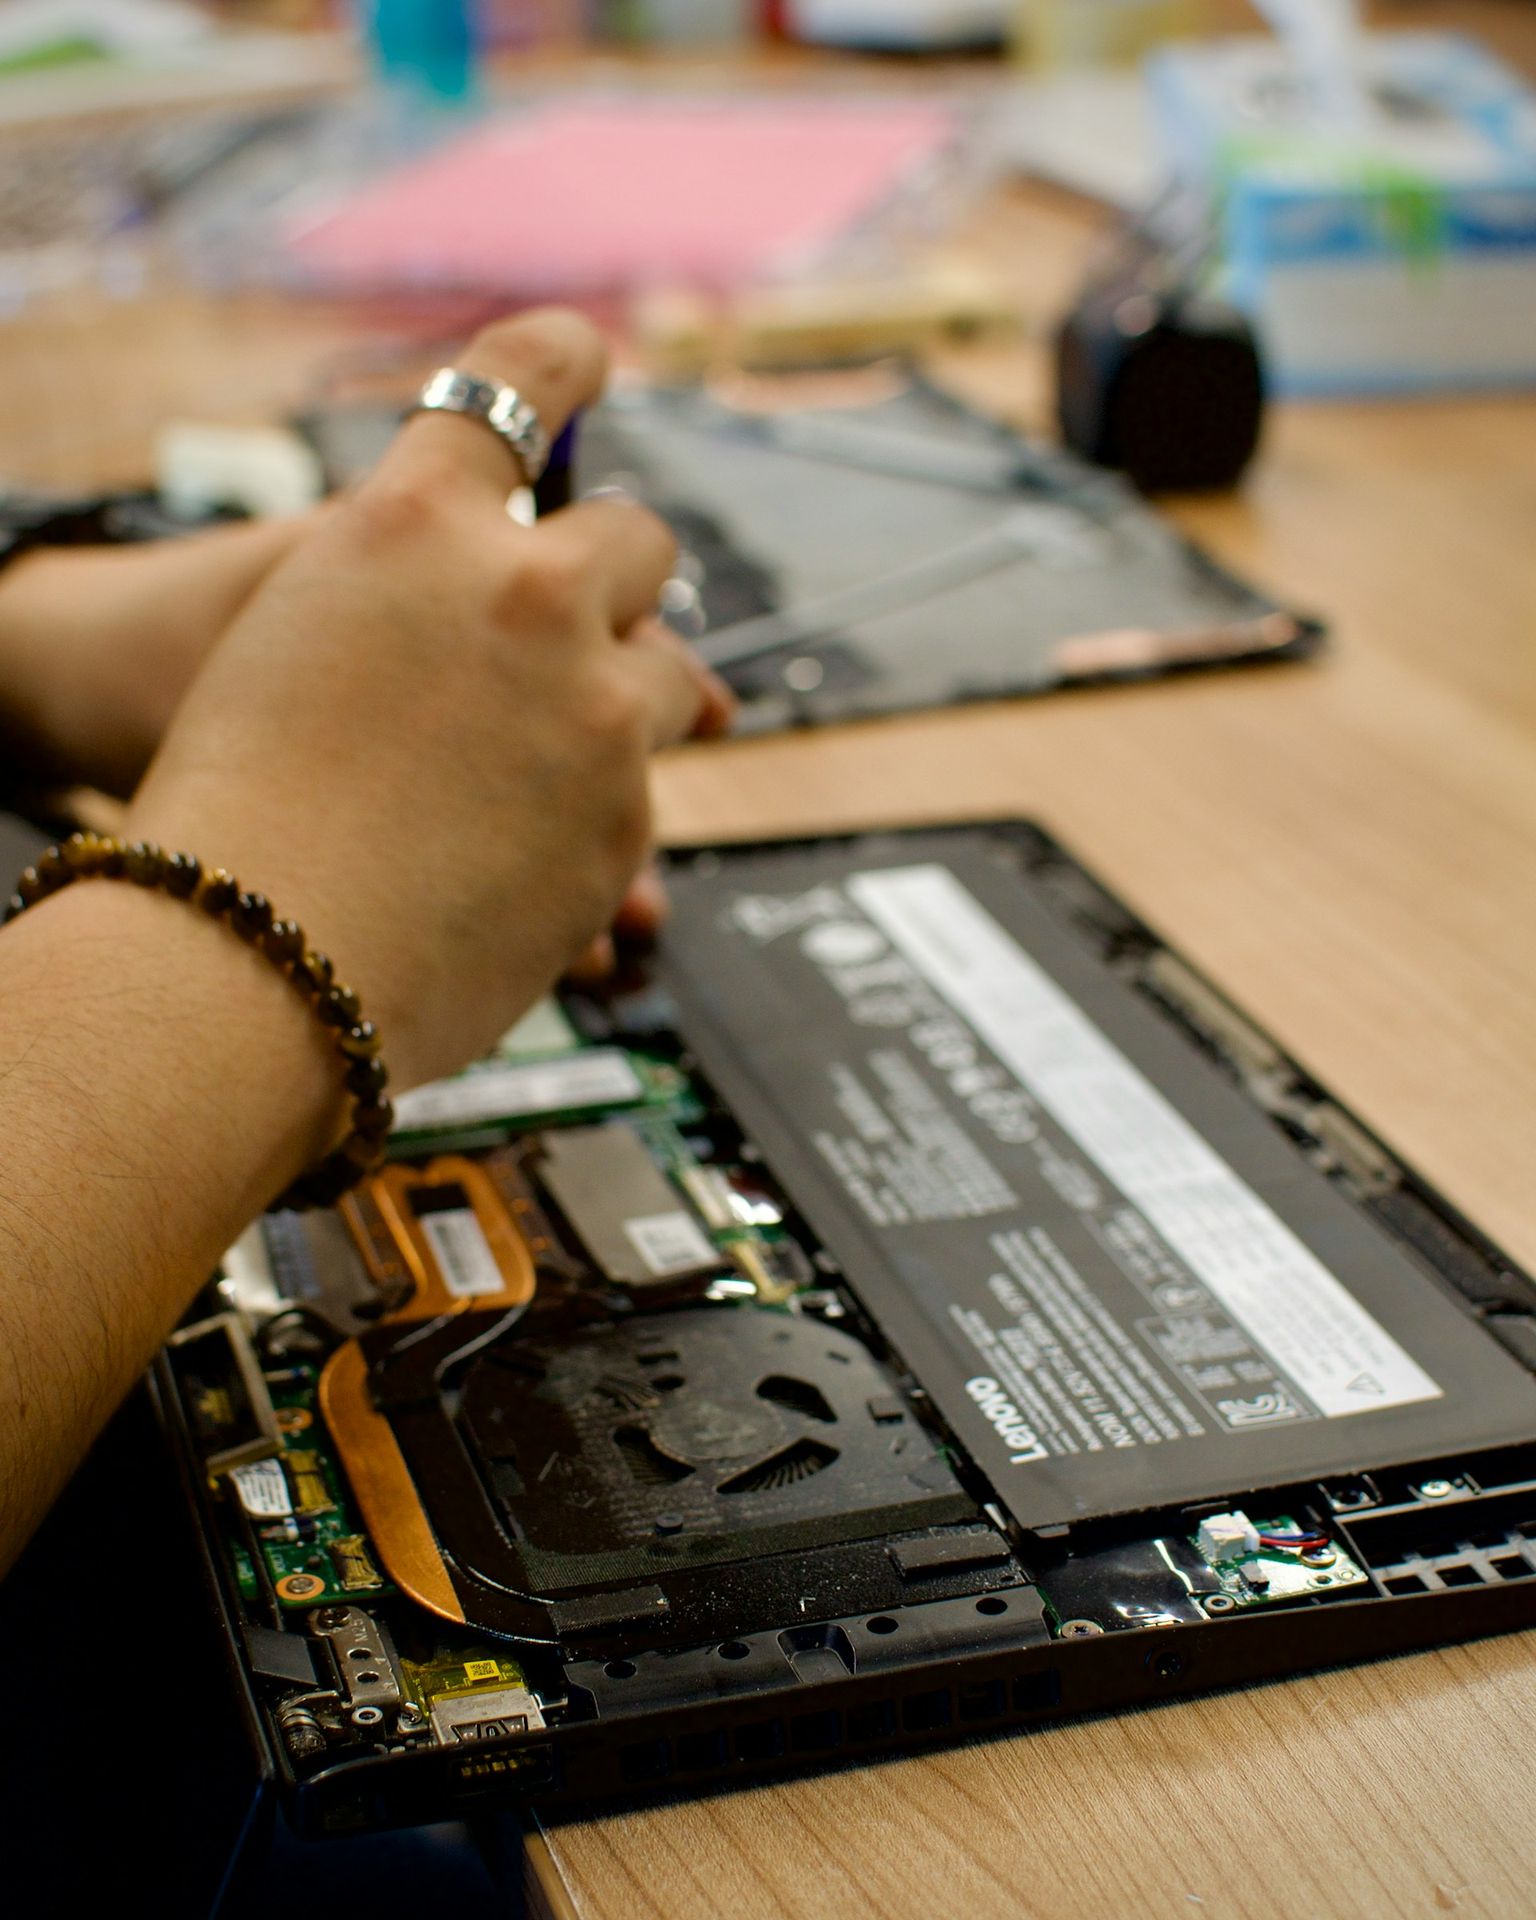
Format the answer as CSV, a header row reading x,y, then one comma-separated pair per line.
x,y
734,1650
620,1669
882,1623
991,1605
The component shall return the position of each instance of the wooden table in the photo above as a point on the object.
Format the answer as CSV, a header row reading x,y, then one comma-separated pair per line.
x,y
1349,847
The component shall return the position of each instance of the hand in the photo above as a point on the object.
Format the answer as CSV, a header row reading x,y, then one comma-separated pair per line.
x,y
426,735
98,644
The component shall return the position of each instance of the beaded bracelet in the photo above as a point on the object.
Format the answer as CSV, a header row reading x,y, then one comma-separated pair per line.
x,y
85,856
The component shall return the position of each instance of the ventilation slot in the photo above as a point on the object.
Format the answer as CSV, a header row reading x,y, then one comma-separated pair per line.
x,y
815,1732
1033,1692
786,1468
646,1760
983,1700
702,1752
871,1720
927,1712
760,1740
648,1465
628,1392
1485,1561
797,1396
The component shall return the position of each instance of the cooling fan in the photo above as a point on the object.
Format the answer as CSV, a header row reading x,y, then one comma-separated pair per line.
x,y
693,1470
693,1437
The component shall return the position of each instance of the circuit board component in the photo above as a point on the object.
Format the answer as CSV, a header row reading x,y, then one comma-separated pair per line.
x,y
632,1223
300,1525
354,1564
482,1696
1280,1559
514,1088
225,1394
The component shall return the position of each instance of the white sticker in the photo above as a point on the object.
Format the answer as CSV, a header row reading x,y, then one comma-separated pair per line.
x,y
522,1089
669,1242
1309,1325
263,1489
464,1255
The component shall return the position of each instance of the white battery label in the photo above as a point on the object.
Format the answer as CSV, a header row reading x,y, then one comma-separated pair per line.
x,y
1313,1329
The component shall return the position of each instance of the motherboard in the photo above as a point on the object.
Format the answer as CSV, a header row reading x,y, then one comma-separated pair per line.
x,y
567,1370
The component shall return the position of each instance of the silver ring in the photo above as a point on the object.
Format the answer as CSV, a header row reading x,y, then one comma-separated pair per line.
x,y
502,408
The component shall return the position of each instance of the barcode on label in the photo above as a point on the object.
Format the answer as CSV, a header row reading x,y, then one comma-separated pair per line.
x,y
669,1242
263,1489
464,1255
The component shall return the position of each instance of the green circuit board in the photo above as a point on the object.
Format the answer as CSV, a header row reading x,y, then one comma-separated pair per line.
x,y
314,1553
1272,1571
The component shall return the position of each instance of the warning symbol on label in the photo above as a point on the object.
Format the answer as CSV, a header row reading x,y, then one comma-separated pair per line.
x,y
1365,1383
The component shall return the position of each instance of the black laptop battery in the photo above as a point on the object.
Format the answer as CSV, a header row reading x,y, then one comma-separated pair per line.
x,y
1118,1278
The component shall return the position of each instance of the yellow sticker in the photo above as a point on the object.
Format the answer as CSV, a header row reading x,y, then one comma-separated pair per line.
x,y
482,1670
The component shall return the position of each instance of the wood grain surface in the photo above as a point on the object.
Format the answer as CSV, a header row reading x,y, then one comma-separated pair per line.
x,y
1403,1788
1349,847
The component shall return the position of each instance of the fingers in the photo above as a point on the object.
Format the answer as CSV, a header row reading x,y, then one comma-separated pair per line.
x,y
595,962
643,908
556,360
639,919
621,549
679,694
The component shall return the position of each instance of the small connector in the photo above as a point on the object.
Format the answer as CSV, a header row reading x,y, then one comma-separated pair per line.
x,y
1227,1536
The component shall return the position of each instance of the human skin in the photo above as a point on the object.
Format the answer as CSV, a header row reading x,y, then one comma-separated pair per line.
x,y
99,644
424,735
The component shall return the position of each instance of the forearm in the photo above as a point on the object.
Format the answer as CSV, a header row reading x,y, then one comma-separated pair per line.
x,y
159,1083
97,644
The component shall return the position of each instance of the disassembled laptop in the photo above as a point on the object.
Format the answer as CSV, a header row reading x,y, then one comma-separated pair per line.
x,y
919,1305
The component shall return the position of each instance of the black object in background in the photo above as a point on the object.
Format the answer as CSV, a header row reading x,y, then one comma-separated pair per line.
x,y
1157,378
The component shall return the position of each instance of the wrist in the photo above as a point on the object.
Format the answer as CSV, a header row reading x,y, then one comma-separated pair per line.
x,y
349,906
207,1074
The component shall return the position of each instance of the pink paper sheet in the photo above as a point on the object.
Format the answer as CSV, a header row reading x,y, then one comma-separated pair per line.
x,y
596,197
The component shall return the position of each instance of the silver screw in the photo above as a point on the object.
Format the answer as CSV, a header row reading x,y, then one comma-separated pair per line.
x,y
1436,1489
1079,1629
